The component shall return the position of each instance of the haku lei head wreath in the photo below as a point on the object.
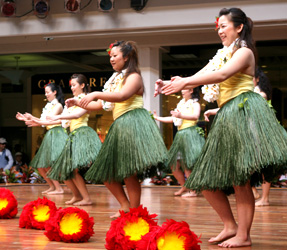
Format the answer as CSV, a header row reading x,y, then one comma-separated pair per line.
x,y
110,47
216,23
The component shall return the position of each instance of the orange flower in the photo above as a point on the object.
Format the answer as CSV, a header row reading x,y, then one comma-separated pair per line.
x,y
129,228
110,47
37,213
70,225
8,204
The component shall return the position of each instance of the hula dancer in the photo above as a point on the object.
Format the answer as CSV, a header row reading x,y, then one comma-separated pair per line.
x,y
189,139
55,138
133,143
245,140
81,147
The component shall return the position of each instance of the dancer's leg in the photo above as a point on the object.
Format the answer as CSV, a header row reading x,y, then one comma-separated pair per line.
x,y
179,176
43,173
264,201
134,190
255,193
220,204
76,194
245,212
81,185
117,190
190,193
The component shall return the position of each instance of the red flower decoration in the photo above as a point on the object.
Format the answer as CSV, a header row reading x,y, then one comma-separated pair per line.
x,y
37,213
8,204
110,47
70,225
129,228
171,235
216,23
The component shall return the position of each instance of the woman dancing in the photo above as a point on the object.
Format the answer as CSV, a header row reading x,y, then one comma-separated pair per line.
x,y
133,144
189,139
81,147
54,140
242,140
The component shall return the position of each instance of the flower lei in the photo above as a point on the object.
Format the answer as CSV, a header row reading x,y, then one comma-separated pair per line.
x,y
48,109
110,86
211,91
181,106
66,111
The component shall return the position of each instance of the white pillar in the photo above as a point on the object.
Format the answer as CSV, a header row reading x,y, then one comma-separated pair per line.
x,y
150,66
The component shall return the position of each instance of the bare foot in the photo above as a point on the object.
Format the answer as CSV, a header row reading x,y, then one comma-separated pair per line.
x,y
50,189
261,203
180,191
83,203
224,235
117,214
236,242
56,192
189,194
73,200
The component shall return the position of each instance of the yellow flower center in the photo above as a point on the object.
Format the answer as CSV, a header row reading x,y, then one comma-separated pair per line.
x,y
3,203
41,213
170,241
71,224
136,229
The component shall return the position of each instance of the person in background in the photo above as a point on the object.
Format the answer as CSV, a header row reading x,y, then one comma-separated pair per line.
x,y
188,141
18,163
6,159
54,139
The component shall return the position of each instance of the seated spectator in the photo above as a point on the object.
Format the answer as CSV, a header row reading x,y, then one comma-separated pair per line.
x,y
6,159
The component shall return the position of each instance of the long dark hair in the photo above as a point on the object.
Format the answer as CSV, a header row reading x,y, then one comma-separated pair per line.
x,y
130,52
60,96
263,83
82,79
238,17
195,94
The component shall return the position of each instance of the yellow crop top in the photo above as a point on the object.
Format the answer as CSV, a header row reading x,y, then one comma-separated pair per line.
x,y
48,127
80,122
134,102
234,86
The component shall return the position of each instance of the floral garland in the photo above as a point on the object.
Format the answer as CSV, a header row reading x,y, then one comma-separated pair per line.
x,y
181,106
67,111
211,91
110,86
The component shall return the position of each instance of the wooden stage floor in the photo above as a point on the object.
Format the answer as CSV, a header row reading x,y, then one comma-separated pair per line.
x,y
269,230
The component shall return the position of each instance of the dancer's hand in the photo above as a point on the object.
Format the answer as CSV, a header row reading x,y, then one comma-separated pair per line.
x,y
208,113
32,123
70,102
158,85
155,116
20,117
87,99
175,113
28,116
175,85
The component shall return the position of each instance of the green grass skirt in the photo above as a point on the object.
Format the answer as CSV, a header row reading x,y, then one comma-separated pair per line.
x,y
133,145
80,151
188,144
245,142
50,149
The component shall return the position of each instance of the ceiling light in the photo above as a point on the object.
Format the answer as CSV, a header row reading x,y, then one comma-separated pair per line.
x,y
41,8
73,6
106,5
8,8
